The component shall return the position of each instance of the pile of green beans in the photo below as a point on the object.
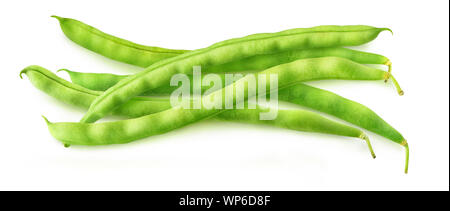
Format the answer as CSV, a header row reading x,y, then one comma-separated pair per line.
x,y
295,55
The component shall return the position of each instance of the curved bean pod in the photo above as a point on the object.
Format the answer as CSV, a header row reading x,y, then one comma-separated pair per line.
x,y
79,96
299,120
159,73
165,121
320,100
125,51
307,96
113,47
103,81
264,61
345,109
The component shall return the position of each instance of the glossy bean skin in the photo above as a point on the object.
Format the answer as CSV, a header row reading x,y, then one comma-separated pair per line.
x,y
299,120
175,117
160,73
113,47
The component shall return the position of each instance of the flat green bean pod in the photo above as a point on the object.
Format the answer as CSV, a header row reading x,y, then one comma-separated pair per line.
x,y
103,81
300,94
299,120
345,109
303,95
369,120
113,47
141,55
159,73
264,61
125,51
175,117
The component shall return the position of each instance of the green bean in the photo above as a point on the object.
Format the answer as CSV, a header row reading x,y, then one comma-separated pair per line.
x,y
79,96
113,47
126,51
238,65
123,50
369,120
299,120
94,81
264,61
165,121
350,111
104,81
160,73
310,97
313,98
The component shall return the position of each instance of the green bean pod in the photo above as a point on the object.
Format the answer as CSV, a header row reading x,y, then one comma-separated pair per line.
x,y
160,73
323,101
175,117
264,61
79,96
125,51
298,120
103,81
304,95
345,109
113,47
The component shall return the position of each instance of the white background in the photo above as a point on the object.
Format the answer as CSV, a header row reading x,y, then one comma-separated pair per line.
x,y
226,156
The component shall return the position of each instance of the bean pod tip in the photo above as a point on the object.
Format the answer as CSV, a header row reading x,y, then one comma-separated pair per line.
x,y
387,29
57,17
25,70
63,69
46,120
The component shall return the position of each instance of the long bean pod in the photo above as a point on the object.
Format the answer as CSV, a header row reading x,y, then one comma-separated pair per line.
x,y
113,47
159,73
123,50
304,95
367,120
103,81
299,120
175,117
307,96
